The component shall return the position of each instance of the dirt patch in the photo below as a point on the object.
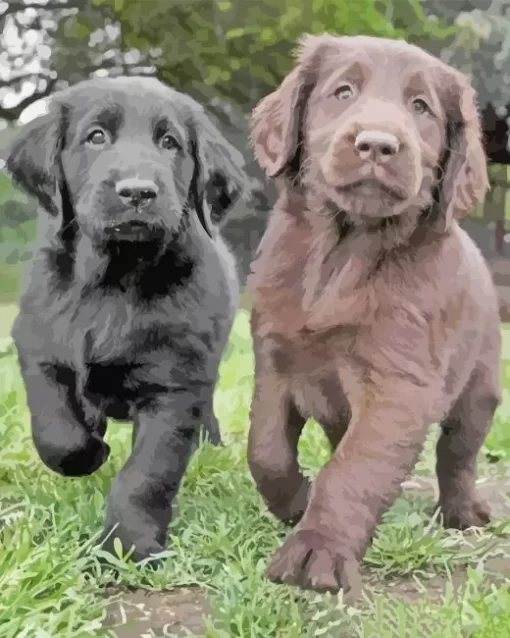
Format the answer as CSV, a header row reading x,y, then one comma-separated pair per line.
x,y
140,613
415,589
433,586
495,491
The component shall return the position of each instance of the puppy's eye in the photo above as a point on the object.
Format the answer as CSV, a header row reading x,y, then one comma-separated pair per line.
x,y
420,106
344,92
96,137
168,142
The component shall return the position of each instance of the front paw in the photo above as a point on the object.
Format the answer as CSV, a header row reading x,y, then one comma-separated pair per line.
x,y
136,550
141,531
310,560
291,511
204,435
212,432
461,514
81,457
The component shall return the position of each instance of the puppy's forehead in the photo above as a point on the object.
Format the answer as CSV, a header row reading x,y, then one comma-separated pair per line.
x,y
377,54
131,97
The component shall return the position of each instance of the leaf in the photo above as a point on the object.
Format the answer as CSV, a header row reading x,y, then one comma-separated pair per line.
x,y
108,558
117,546
98,500
238,32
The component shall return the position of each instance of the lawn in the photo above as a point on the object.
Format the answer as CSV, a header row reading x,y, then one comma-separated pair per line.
x,y
421,581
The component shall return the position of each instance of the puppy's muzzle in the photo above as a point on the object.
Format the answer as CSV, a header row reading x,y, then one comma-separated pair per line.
x,y
136,196
367,157
137,193
376,146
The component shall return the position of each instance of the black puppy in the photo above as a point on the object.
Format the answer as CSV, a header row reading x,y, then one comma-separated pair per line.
x,y
131,292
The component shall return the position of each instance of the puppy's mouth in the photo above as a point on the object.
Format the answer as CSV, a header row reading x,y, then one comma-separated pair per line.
x,y
373,188
132,231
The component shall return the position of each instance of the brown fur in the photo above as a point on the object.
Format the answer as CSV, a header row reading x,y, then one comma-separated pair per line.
x,y
374,312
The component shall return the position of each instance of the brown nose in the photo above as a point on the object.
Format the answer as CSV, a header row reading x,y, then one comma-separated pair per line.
x,y
376,146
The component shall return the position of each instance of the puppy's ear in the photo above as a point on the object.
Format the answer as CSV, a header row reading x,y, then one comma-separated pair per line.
x,y
34,159
276,121
465,179
219,178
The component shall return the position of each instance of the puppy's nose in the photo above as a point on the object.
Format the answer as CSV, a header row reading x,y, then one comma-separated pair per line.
x,y
377,146
137,192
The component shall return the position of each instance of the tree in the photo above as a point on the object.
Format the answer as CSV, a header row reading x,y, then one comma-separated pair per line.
x,y
231,49
26,30
480,46
48,45
241,49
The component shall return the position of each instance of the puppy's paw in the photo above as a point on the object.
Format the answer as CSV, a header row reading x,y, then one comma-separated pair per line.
x,y
80,458
215,439
311,561
135,551
463,514
205,436
292,512
211,432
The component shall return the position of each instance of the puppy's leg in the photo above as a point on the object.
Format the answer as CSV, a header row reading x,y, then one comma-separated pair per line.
x,y
211,428
334,432
134,432
67,437
354,488
211,425
463,434
338,412
140,499
275,428
100,426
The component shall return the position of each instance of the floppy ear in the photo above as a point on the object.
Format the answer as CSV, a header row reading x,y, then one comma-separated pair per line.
x,y
277,119
465,179
34,159
219,179
275,124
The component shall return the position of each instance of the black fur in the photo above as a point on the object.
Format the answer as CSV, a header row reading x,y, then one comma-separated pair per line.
x,y
127,324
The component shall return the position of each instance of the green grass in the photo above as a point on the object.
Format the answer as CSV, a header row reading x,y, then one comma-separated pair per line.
x,y
10,278
222,538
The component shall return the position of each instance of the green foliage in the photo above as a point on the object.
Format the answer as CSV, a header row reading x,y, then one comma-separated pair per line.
x,y
17,224
8,192
480,45
243,48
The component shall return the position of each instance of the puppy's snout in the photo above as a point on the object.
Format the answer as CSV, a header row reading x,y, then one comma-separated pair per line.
x,y
137,192
377,146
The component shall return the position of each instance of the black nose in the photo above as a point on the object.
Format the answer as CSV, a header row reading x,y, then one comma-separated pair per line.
x,y
137,192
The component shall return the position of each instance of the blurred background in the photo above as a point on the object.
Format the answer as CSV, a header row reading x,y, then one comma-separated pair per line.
x,y
228,54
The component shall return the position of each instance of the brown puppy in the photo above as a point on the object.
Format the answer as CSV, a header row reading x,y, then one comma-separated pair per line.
x,y
374,312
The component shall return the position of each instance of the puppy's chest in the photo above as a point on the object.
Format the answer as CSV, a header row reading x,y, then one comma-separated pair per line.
x,y
109,328
106,328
